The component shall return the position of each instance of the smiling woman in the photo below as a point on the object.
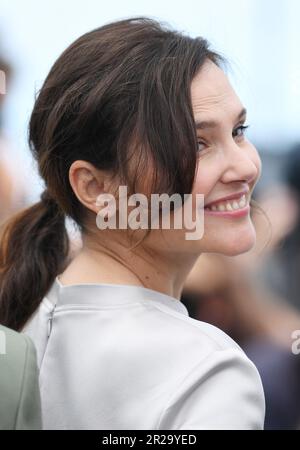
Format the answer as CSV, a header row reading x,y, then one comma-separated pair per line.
x,y
127,104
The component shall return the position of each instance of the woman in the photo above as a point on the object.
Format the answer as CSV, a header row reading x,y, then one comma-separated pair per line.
x,y
132,104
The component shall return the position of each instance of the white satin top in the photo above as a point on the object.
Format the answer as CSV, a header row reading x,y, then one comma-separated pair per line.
x,y
120,357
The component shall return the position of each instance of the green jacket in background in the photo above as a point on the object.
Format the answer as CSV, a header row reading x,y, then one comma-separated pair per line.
x,y
20,404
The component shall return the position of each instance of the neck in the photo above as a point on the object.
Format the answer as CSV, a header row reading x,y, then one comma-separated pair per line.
x,y
116,263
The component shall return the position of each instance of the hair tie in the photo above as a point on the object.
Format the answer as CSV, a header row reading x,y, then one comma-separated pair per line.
x,y
46,197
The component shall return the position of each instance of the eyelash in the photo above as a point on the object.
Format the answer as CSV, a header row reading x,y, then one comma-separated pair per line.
x,y
243,128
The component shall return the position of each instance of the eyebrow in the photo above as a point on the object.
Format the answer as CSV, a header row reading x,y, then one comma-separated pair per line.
x,y
200,125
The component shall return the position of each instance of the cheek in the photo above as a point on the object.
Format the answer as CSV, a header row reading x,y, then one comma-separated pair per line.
x,y
206,178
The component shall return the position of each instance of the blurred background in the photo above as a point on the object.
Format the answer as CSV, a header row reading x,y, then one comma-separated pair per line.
x,y
255,298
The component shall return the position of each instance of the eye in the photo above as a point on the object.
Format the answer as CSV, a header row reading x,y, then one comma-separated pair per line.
x,y
201,143
240,131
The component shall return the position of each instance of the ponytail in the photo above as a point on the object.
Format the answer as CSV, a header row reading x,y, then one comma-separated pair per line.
x,y
34,247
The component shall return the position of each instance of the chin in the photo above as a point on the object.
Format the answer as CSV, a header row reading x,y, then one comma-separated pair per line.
x,y
231,243
240,243
237,250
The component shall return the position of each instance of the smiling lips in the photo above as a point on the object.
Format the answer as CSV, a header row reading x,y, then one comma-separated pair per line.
x,y
234,206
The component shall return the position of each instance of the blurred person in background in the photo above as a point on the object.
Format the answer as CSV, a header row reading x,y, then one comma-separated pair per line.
x,y
20,404
13,193
13,190
281,268
230,294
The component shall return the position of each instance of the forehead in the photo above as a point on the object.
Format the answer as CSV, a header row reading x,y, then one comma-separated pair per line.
x,y
212,95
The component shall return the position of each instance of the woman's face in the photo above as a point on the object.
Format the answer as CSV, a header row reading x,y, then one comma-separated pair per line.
x,y
228,164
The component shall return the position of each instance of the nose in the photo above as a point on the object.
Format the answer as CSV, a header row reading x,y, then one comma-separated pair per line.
x,y
241,163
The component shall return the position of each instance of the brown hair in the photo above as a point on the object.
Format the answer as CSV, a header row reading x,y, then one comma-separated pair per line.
x,y
120,90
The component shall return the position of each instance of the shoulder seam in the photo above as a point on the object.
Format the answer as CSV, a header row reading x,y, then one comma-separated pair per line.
x,y
184,318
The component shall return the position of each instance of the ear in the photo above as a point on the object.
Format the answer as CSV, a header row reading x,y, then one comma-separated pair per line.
x,y
88,183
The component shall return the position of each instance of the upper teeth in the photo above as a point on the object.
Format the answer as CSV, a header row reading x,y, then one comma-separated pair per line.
x,y
229,205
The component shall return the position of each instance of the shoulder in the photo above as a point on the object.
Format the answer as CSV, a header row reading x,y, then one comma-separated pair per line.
x,y
20,398
194,333
224,391
220,387
192,340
